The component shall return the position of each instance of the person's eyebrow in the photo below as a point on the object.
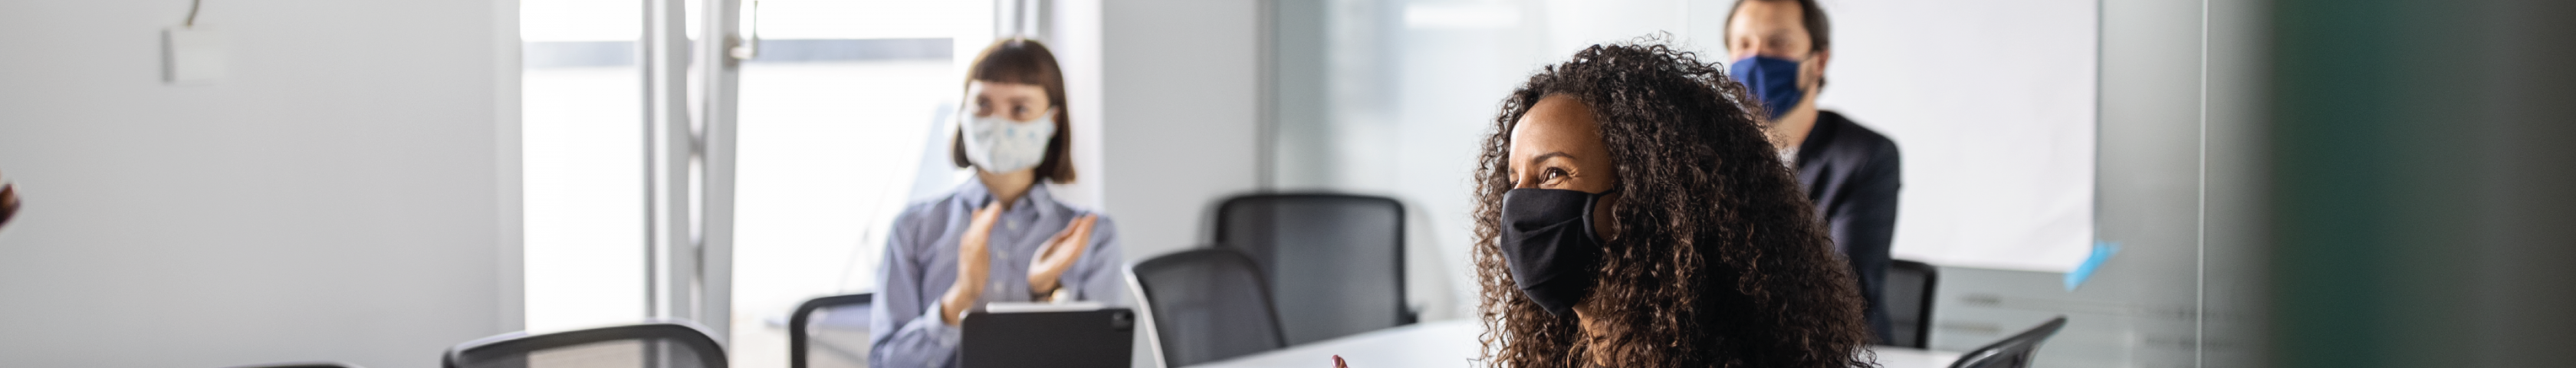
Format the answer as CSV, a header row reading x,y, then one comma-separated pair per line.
x,y
1549,155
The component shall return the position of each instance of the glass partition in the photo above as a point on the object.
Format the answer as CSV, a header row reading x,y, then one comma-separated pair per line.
x,y
2057,156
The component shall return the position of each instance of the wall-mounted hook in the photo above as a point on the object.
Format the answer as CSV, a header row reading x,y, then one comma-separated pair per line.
x,y
193,5
745,48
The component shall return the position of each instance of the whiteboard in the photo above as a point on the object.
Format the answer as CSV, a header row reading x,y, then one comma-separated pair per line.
x,y
1993,106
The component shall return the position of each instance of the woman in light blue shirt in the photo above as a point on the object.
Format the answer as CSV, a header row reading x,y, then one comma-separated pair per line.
x,y
1000,237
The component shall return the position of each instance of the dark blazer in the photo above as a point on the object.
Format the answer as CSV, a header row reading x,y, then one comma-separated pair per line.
x,y
1850,172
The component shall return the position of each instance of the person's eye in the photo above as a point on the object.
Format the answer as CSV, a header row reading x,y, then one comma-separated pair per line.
x,y
1552,175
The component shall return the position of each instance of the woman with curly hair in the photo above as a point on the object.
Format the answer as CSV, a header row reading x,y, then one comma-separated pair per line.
x,y
1632,213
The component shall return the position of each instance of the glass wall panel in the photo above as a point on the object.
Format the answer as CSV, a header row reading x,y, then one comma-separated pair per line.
x,y
2055,162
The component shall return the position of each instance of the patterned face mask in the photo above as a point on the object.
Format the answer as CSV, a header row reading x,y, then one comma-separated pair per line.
x,y
997,144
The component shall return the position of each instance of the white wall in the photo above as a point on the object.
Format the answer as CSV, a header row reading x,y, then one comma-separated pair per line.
x,y
344,195
1994,115
1179,120
1992,104
1166,97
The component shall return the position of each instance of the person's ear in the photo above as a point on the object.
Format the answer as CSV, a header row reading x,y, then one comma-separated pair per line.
x,y
1815,67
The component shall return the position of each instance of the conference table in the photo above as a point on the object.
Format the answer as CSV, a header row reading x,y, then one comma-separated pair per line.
x,y
1453,344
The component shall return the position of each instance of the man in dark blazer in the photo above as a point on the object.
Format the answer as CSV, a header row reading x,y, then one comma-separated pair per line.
x,y
1780,48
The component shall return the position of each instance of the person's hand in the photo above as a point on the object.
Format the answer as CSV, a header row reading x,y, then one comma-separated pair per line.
x,y
1046,273
8,200
974,260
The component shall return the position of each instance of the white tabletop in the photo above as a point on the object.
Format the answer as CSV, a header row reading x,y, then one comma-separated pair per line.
x,y
1453,344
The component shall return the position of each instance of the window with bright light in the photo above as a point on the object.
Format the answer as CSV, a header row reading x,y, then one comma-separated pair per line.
x,y
582,146
841,122
840,115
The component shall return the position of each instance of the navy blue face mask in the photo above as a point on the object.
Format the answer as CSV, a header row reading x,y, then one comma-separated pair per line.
x,y
1772,80
1550,245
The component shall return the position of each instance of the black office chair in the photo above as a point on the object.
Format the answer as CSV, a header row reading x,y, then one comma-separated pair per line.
x,y
1208,304
1908,295
844,331
673,344
1335,262
2013,352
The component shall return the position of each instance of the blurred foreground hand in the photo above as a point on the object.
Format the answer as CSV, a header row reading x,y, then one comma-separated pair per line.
x,y
8,200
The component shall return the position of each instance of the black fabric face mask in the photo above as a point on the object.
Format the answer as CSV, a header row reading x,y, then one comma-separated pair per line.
x,y
1548,241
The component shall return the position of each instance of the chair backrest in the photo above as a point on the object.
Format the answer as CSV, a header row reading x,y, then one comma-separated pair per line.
x,y
843,331
670,344
2013,352
1335,262
1908,295
1208,304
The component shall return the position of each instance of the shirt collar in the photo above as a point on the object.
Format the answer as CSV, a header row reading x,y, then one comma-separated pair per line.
x,y
976,195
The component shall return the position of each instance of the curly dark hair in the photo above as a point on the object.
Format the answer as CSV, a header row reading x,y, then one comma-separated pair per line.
x,y
1717,258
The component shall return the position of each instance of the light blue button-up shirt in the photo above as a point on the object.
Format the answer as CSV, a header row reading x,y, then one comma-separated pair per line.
x,y
920,265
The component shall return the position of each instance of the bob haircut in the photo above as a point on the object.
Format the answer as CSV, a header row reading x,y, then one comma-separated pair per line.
x,y
1717,261
1024,61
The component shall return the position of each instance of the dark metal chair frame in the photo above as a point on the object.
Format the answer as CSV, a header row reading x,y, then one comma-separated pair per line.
x,y
1197,255
680,331
796,334
1403,313
1931,284
2013,352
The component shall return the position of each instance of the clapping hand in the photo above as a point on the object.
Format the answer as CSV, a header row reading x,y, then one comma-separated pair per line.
x,y
1059,255
974,259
